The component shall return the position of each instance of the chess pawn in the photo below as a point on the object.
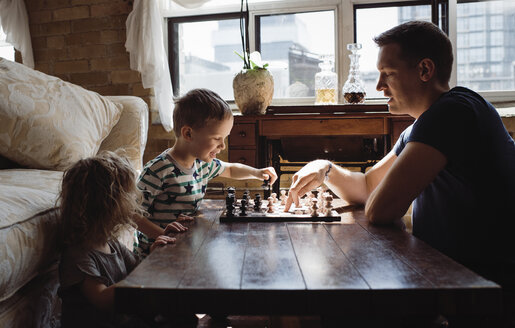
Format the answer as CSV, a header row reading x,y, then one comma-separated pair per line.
x,y
257,203
243,207
270,205
231,190
274,197
314,207
283,197
328,205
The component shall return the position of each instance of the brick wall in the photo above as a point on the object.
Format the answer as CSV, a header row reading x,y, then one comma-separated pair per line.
x,y
83,42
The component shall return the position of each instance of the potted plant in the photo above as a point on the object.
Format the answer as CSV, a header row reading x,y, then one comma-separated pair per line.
x,y
253,86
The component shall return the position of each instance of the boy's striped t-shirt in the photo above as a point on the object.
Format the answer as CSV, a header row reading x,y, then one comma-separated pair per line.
x,y
170,189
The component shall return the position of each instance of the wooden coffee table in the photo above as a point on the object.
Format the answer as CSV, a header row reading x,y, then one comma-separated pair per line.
x,y
348,267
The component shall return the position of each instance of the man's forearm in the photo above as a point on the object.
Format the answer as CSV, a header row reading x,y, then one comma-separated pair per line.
x,y
347,185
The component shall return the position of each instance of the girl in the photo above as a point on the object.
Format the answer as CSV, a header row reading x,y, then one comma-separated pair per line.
x,y
98,198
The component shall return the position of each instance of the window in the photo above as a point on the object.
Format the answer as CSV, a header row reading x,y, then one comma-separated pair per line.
x,y
294,54
368,26
292,34
6,49
204,56
487,25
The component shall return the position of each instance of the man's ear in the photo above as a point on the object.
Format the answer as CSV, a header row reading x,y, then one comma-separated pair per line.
x,y
186,132
427,69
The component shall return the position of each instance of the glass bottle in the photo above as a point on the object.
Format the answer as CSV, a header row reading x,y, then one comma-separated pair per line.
x,y
354,89
326,82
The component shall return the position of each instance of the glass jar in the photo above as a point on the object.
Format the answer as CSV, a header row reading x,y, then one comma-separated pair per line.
x,y
326,82
354,89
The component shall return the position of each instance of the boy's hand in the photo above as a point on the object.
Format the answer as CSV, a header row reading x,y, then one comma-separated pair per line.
x,y
161,241
175,227
184,218
268,173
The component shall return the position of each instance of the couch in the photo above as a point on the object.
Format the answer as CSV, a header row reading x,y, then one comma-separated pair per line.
x,y
46,124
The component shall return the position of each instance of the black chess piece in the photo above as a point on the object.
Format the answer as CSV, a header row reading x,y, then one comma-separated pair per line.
x,y
257,202
230,204
231,190
243,207
266,187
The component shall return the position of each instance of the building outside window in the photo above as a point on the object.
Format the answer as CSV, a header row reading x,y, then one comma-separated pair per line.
x,y
292,36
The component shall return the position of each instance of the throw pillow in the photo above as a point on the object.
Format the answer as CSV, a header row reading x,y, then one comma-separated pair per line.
x,y
48,123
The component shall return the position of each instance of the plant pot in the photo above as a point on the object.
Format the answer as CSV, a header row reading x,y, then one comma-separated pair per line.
x,y
253,91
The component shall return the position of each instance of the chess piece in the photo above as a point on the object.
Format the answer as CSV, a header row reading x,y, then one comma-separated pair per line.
x,y
231,190
270,205
314,207
283,197
274,197
328,205
257,203
243,207
229,202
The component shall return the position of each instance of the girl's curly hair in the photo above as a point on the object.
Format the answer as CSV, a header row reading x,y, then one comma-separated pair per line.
x,y
98,199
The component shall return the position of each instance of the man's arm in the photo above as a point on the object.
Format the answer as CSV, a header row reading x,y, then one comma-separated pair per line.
x,y
354,187
412,171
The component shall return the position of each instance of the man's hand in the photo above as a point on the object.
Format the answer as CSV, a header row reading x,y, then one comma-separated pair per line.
x,y
307,178
268,173
161,241
175,227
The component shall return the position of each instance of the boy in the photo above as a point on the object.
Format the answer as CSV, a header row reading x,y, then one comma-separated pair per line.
x,y
174,183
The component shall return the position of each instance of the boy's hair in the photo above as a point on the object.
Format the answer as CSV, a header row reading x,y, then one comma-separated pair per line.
x,y
198,106
419,40
98,199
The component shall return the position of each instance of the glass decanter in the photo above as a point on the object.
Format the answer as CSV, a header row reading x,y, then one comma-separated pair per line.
x,y
354,89
326,82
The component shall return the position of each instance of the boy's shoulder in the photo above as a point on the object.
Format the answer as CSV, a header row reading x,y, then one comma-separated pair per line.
x,y
160,160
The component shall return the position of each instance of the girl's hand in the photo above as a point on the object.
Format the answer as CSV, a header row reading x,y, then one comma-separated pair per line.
x,y
161,241
184,218
268,173
175,227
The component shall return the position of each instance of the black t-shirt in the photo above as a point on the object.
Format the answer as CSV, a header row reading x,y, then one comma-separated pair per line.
x,y
468,211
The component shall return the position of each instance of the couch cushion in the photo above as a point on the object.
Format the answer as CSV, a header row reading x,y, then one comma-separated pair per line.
x,y
28,226
48,123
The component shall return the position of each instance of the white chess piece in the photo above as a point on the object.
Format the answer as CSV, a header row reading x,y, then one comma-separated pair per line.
x,y
314,207
283,197
270,205
328,205
274,197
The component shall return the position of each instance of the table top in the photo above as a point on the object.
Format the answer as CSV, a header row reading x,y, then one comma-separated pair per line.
x,y
302,268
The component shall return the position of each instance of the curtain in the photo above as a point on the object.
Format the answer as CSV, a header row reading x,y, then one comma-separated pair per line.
x,y
145,43
15,23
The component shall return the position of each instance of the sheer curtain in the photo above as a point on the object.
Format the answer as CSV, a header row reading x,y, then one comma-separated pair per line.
x,y
145,43
15,23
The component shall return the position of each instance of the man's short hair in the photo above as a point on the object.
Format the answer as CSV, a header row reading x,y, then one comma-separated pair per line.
x,y
197,107
419,40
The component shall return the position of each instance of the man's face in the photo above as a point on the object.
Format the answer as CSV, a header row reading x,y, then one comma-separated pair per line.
x,y
398,79
209,141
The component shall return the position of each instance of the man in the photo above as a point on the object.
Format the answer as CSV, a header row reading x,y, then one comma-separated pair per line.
x,y
456,163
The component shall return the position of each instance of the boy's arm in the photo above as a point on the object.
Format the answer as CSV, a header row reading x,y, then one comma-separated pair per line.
x,y
241,172
146,226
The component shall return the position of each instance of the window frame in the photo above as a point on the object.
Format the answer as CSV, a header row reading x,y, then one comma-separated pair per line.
x,y
345,30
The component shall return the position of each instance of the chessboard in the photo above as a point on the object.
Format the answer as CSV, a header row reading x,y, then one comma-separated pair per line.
x,y
311,209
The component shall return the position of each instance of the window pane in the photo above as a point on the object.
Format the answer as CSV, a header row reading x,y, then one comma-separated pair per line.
x,y
6,49
486,52
206,55
368,26
292,45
